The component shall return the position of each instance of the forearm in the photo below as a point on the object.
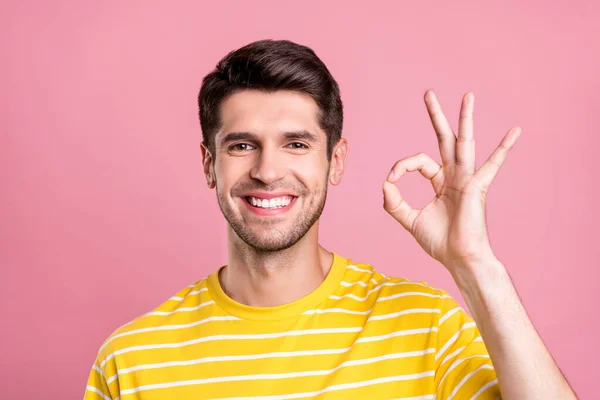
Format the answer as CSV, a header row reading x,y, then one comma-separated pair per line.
x,y
524,367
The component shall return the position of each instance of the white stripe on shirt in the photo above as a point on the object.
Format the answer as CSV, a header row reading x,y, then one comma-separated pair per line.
x,y
341,386
483,388
466,378
453,339
253,336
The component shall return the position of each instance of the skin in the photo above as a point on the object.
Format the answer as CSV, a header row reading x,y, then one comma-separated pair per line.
x,y
274,260
452,229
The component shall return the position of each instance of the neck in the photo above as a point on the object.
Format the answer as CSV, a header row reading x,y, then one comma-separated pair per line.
x,y
266,279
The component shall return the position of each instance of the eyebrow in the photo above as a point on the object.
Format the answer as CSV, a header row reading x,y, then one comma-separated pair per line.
x,y
303,134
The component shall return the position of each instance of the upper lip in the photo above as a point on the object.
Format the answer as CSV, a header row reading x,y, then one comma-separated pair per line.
x,y
268,195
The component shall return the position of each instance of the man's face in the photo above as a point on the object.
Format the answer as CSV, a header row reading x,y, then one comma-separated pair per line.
x,y
270,168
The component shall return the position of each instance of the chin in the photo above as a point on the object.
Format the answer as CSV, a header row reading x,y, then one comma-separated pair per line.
x,y
268,242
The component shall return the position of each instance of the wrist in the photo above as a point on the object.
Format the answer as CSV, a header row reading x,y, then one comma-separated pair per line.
x,y
481,275
488,291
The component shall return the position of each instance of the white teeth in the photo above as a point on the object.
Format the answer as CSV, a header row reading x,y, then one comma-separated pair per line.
x,y
271,203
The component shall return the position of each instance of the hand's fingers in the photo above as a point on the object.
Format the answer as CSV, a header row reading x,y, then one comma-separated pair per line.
x,y
465,145
490,168
393,202
446,138
421,161
397,207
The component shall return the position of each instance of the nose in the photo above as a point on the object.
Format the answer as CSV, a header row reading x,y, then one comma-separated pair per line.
x,y
268,168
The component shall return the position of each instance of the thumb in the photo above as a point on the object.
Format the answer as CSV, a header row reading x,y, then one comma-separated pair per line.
x,y
396,206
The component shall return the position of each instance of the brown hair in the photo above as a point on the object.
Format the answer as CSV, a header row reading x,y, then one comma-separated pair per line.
x,y
271,65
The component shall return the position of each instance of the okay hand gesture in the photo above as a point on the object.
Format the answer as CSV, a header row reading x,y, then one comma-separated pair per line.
x,y
452,227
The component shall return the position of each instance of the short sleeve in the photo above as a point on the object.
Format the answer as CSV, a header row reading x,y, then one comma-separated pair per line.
x,y
464,369
103,382
96,388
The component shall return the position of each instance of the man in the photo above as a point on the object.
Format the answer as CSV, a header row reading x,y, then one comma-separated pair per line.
x,y
287,319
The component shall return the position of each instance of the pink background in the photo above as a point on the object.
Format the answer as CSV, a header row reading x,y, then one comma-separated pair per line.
x,y
105,212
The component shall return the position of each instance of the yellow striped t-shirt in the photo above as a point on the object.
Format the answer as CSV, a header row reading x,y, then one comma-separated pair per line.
x,y
359,335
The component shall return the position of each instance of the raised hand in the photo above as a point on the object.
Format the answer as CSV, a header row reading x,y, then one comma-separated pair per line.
x,y
452,227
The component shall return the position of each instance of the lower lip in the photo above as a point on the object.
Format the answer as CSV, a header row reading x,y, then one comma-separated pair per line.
x,y
266,211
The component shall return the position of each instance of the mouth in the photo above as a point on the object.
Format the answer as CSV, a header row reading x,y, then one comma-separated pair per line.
x,y
272,206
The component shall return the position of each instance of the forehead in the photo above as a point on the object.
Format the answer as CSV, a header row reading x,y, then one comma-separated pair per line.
x,y
269,113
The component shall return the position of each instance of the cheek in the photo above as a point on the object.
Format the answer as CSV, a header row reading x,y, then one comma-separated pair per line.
x,y
314,176
226,176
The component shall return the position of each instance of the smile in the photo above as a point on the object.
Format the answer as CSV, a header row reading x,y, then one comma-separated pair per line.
x,y
269,204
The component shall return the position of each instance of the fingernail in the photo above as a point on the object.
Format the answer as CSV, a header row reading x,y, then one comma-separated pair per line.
x,y
391,175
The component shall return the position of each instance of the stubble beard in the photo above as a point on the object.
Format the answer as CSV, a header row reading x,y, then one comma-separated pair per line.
x,y
271,238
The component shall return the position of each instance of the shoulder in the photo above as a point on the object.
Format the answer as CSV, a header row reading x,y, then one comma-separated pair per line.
x,y
175,310
367,276
410,296
365,283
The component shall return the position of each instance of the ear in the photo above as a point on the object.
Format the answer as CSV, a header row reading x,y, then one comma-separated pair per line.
x,y
338,161
207,162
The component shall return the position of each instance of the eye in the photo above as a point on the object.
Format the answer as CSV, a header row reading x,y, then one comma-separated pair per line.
x,y
241,147
298,145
